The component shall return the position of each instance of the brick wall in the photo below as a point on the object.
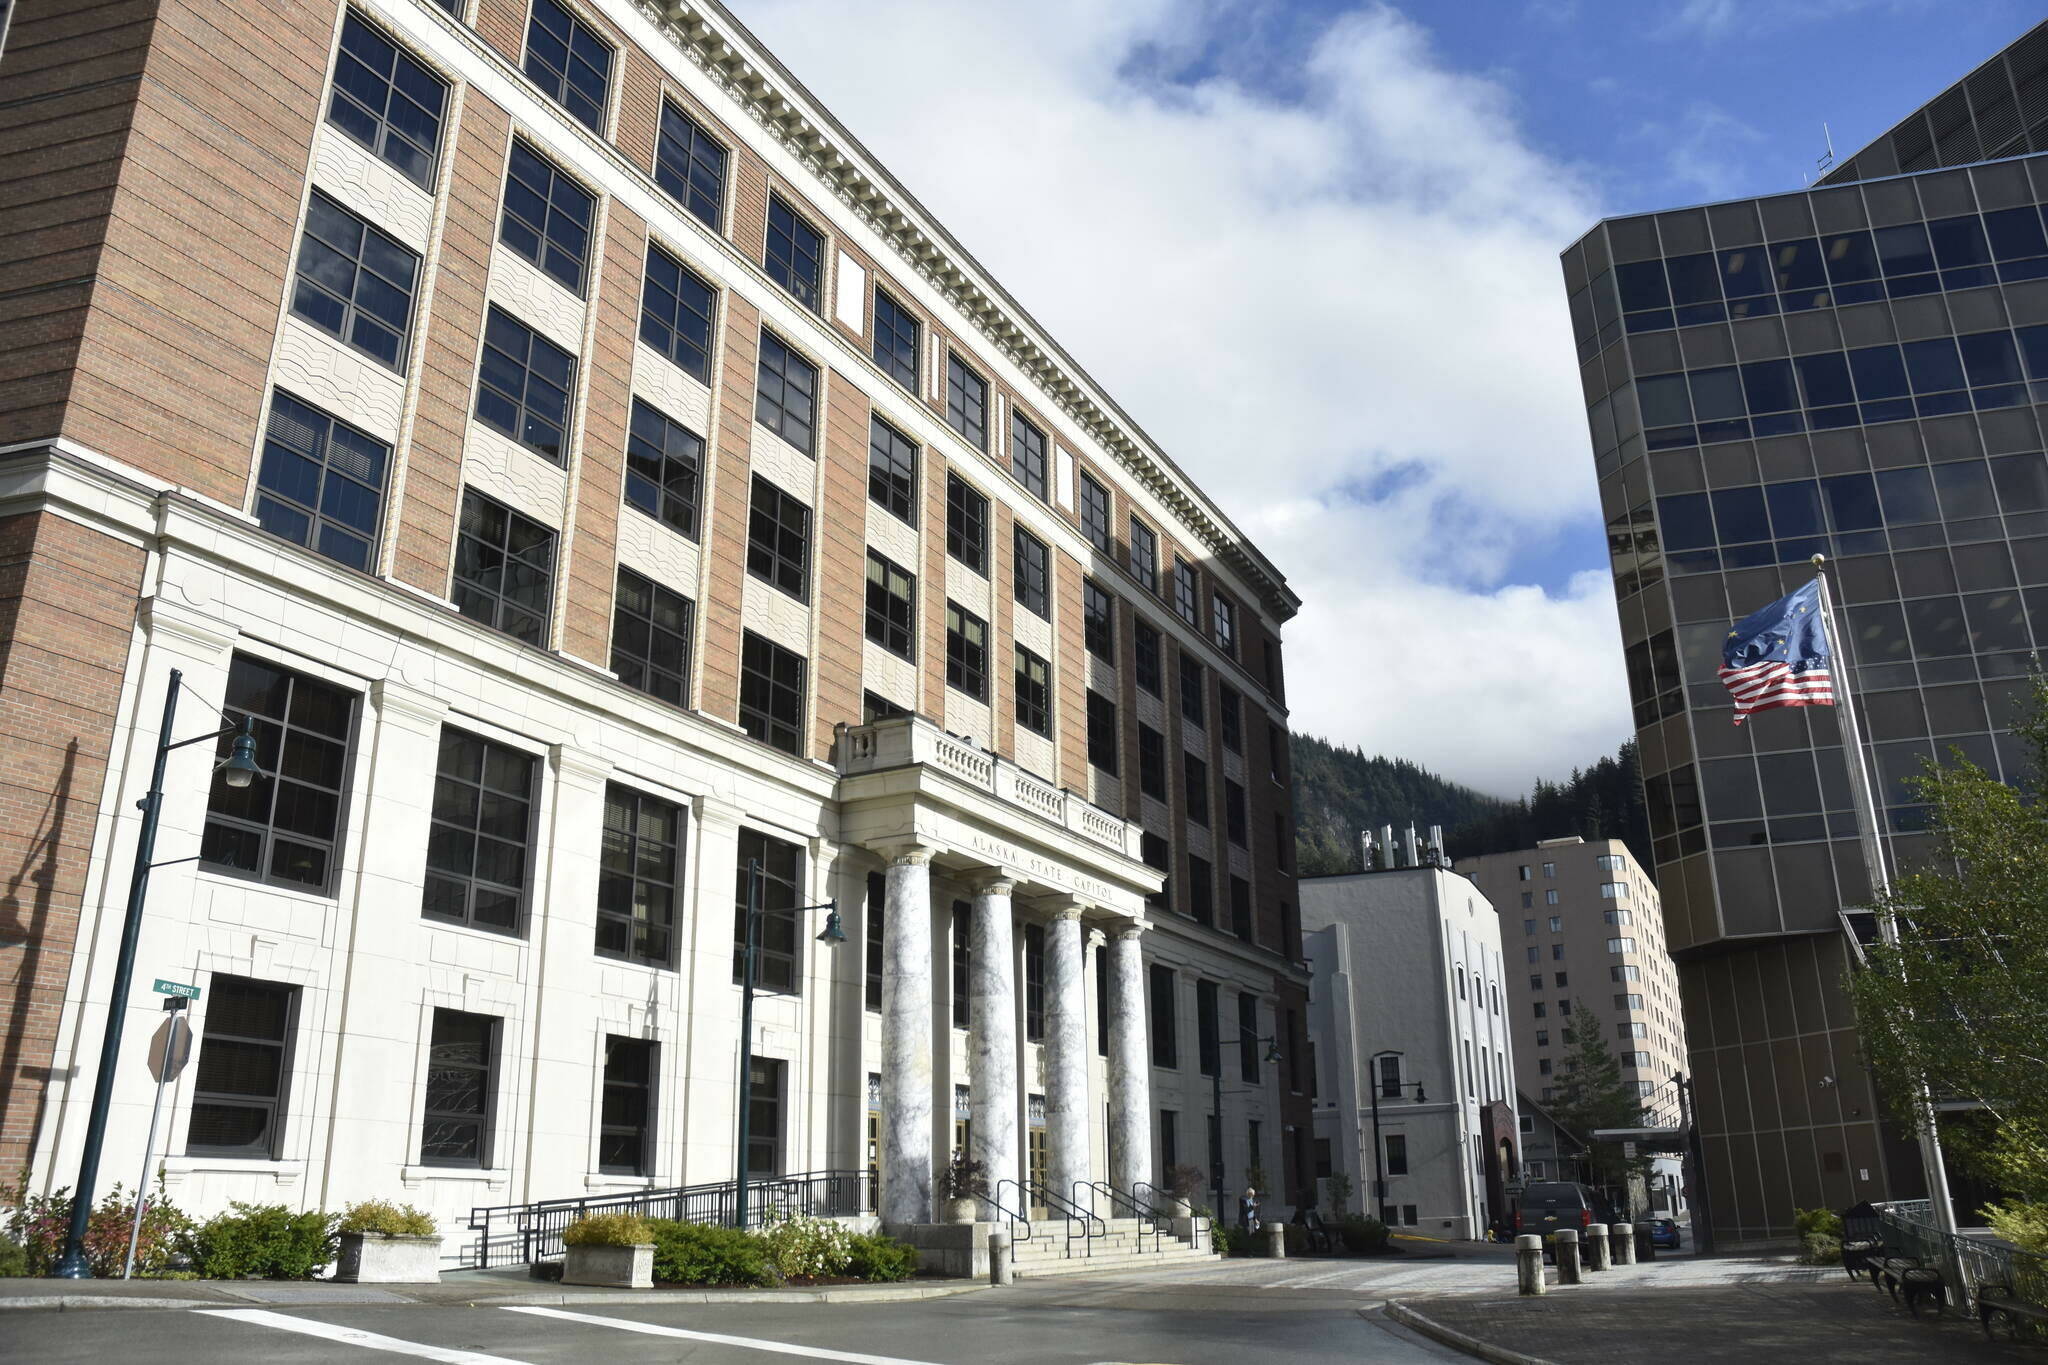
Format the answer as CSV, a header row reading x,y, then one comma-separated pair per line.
x,y
725,522
839,588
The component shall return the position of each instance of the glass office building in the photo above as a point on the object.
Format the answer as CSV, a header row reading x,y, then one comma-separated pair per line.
x,y
1858,370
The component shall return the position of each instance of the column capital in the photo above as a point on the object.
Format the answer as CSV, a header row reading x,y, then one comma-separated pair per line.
x,y
1129,929
991,881
579,766
401,703
192,630
909,855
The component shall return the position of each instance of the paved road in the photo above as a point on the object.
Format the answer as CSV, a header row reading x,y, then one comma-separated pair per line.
x,y
1072,1322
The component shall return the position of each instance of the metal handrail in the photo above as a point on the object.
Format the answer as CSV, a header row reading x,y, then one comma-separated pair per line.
x,y
1909,1230
1016,1218
1145,1215
1067,1208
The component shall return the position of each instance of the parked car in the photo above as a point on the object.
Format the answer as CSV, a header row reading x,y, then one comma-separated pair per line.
x,y
1547,1206
1663,1233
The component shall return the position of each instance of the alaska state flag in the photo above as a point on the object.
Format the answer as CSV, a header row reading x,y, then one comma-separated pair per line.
x,y
1779,656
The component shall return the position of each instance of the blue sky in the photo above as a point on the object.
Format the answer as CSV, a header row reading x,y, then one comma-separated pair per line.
x,y
1312,247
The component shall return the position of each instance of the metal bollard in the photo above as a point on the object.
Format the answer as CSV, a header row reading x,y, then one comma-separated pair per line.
x,y
998,1257
1564,1243
1276,1241
1529,1264
1622,1238
1600,1251
1646,1246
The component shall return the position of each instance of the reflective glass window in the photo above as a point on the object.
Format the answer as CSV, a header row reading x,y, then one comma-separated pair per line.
x,y
1767,384
1716,393
1687,522
1852,502
1745,271
1907,495
1798,265
1879,372
1997,620
1989,358
1642,285
1851,257
1904,250
1694,279
2022,482
1958,241
1880,633
1795,508
2034,349
1824,379
1739,515
1933,365
2015,234
1965,490
1664,400
1937,627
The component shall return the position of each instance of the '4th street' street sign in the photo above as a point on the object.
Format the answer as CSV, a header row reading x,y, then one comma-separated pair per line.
x,y
164,987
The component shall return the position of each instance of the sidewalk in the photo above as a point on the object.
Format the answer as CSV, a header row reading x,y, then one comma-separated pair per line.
x,y
1815,1323
482,1288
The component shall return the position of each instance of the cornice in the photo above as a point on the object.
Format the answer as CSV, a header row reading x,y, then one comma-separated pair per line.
x,y
762,87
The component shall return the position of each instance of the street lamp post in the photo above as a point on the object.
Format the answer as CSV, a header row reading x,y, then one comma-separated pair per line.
x,y
1216,1099
831,936
1379,1177
240,770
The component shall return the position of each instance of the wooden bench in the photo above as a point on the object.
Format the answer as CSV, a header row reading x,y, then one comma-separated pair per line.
x,y
1904,1277
1999,1301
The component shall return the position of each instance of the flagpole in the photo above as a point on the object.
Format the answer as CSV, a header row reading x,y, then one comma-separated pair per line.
x,y
1876,863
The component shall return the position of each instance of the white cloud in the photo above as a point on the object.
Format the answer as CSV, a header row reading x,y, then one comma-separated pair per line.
x,y
1339,307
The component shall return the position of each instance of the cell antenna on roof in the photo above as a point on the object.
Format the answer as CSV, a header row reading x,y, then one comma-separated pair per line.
x,y
1827,159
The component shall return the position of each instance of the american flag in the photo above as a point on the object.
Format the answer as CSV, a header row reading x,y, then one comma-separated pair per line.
x,y
1779,656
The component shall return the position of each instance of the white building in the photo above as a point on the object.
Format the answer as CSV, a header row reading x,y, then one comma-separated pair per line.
x,y
1406,1001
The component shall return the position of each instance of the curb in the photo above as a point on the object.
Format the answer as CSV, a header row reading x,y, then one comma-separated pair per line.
x,y
1449,1336
74,1303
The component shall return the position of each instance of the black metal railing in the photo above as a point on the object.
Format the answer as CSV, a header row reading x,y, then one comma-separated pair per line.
x,y
513,1234
1132,1202
1080,1221
1909,1230
1017,1215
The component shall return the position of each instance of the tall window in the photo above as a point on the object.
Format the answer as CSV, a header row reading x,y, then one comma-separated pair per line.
x,y
1151,761
641,877
1145,642
896,339
786,395
1195,779
1235,822
1225,621
1034,982
504,568
779,540
321,484
1397,1154
1230,713
524,382
651,629
238,1097
874,940
1098,621
966,402
892,469
765,1078
777,932
963,964
690,164
796,253
1201,890
547,216
482,828
892,595
283,826
771,693
1144,556
1033,574
676,312
567,60
1034,693
1165,1041
966,652
387,101
625,1134
1184,590
1191,689
966,524
1102,750
355,281
1095,514
1248,1036
462,1063
1027,455
1156,853
1208,1029
663,460
1241,908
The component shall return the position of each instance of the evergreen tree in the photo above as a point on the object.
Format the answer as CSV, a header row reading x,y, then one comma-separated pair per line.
x,y
1589,1093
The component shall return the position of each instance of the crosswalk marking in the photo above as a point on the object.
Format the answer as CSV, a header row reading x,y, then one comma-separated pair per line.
x,y
718,1338
355,1336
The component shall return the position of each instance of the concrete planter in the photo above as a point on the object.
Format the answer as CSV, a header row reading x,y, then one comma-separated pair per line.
x,y
373,1258
962,1210
1176,1207
611,1267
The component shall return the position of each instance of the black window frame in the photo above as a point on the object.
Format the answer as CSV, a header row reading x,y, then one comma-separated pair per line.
x,y
891,615
967,518
892,474
786,407
1236,814
678,313
317,522
664,468
1031,573
557,74
779,538
874,930
475,596
627,1105
1145,556
1193,690
546,377
1146,649
1242,921
651,652
222,1080
678,174
1151,762
633,859
1029,455
966,655
489,799
1201,890
765,725
402,77
1034,695
1223,619
1230,717
1186,592
891,320
357,301
960,925
1208,1028
1098,620
1096,511
291,754
787,235
779,948
1034,982
1102,736
1194,781
566,213
1162,1005
441,1064
1248,1037
967,400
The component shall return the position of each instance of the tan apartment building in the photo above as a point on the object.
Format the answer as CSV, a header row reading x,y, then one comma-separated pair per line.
x,y
598,477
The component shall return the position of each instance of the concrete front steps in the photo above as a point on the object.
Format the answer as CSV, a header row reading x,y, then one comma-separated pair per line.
x,y
1116,1249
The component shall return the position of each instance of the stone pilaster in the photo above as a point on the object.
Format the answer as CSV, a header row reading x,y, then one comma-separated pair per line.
x,y
1066,1055
992,1040
907,1039
1130,1074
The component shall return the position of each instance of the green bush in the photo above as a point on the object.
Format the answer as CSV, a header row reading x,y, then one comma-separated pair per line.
x,y
39,1224
880,1259
381,1217
694,1253
13,1258
267,1241
1820,1248
2024,1225
798,1245
1825,1222
1363,1236
608,1230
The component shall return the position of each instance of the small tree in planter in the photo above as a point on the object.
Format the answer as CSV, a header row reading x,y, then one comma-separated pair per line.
x,y
615,1250
1183,1183
386,1243
962,1183
1340,1193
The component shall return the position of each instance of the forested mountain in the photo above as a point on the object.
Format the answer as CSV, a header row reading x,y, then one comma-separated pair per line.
x,y
1338,792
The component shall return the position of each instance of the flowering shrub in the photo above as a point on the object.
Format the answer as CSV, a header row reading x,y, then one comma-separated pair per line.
x,y
40,1223
802,1246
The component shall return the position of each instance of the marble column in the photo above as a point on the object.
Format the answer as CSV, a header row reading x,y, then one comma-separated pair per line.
x,y
1130,1063
992,1039
907,1039
1066,1056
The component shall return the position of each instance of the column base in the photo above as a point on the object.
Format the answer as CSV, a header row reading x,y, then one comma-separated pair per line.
x,y
959,1249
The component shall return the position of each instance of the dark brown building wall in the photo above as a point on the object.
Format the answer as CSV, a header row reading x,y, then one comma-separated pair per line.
x,y
67,613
